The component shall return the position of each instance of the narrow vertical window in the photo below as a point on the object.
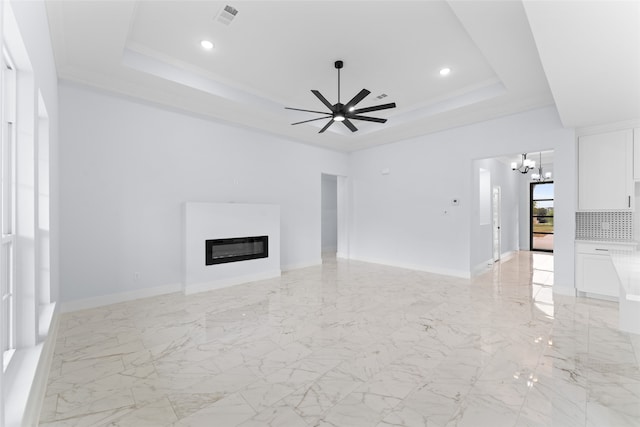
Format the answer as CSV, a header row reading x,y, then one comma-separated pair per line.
x,y
7,200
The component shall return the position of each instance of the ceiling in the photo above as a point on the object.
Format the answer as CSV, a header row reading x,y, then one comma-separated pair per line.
x,y
505,57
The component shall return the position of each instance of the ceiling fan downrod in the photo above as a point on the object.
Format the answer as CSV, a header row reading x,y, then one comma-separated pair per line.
x,y
339,64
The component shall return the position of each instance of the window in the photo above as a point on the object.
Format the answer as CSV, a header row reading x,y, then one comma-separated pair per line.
x,y
7,200
542,216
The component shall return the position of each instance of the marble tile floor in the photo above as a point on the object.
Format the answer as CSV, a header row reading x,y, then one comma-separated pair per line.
x,y
351,344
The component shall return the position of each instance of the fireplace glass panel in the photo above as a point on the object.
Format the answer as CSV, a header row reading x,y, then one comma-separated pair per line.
x,y
219,251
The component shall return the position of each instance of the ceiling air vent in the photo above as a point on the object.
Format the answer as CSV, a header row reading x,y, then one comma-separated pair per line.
x,y
383,95
227,15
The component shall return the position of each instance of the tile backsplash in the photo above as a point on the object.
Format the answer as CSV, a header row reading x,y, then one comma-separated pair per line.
x,y
604,225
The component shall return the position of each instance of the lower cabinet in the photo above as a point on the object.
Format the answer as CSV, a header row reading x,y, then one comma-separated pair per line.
x,y
595,273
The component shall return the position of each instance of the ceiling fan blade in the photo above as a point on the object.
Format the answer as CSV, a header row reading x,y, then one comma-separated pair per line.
x,y
306,121
359,97
308,111
350,125
368,119
326,126
374,108
323,99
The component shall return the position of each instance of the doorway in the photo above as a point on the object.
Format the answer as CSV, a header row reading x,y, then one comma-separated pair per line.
x,y
497,236
334,207
541,224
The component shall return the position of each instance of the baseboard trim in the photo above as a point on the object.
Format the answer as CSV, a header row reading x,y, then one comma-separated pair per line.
x,y
83,304
506,256
481,268
225,283
425,268
569,291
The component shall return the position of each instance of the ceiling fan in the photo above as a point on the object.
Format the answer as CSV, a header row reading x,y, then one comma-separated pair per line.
x,y
344,112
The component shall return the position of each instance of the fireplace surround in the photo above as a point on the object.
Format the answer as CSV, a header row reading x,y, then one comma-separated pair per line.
x,y
215,234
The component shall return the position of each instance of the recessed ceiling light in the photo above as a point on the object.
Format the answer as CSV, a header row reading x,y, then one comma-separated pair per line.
x,y
445,71
206,44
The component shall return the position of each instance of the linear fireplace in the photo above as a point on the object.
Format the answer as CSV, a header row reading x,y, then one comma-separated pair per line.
x,y
211,224
220,251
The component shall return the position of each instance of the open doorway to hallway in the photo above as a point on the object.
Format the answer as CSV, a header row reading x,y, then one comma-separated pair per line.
x,y
501,223
329,216
334,216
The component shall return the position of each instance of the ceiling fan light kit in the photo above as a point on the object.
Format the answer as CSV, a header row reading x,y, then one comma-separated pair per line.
x,y
344,113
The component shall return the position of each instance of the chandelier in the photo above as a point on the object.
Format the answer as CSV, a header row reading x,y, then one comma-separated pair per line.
x,y
525,165
541,176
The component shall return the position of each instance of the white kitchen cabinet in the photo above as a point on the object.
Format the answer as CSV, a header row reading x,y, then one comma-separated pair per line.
x,y
605,171
636,154
595,273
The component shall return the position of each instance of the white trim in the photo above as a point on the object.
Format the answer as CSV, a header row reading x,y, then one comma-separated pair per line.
x,y
583,294
482,267
225,283
300,265
506,256
39,387
19,380
27,378
607,127
564,290
426,268
83,304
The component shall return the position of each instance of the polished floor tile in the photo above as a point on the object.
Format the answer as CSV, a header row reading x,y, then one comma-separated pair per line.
x,y
351,344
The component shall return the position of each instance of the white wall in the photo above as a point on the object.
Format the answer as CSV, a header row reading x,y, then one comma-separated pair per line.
x,y
126,168
398,218
329,213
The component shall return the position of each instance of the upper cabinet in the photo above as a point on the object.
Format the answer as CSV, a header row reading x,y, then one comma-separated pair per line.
x,y
606,171
636,154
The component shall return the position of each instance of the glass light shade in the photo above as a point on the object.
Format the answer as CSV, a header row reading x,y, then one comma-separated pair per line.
x,y
547,175
338,118
514,165
535,176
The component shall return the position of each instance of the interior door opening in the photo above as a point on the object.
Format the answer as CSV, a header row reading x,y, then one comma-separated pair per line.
x,y
497,233
334,216
329,216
